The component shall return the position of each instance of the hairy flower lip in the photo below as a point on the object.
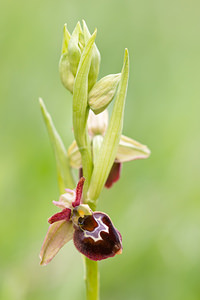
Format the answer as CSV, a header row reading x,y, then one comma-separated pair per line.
x,y
102,242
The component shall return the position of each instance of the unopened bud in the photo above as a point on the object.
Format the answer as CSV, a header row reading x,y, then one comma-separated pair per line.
x,y
103,92
66,75
97,124
74,50
95,61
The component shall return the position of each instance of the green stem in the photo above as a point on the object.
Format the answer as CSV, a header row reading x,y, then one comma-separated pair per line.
x,y
91,273
87,164
91,279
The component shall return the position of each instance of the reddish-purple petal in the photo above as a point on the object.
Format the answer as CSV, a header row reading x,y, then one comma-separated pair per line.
x,y
96,237
63,215
114,174
79,190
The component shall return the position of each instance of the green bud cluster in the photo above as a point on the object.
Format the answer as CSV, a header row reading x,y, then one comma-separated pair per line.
x,y
72,49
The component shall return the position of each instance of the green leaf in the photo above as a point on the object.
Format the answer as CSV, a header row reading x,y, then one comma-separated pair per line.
x,y
80,96
80,109
65,178
111,140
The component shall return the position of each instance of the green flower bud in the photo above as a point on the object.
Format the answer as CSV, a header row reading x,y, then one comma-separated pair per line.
x,y
74,50
103,92
95,61
66,75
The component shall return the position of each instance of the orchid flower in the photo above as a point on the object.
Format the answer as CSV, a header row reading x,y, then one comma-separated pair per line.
x,y
92,232
128,148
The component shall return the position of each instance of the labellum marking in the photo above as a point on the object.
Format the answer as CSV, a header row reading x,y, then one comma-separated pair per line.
x,y
96,233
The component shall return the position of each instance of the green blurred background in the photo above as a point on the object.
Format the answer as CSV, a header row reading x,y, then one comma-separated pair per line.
x,y
156,204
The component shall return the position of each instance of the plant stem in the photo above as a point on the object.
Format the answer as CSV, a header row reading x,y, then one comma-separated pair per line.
x,y
91,273
91,279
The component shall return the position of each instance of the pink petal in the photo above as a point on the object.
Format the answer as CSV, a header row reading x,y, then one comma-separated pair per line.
x,y
58,235
79,190
65,214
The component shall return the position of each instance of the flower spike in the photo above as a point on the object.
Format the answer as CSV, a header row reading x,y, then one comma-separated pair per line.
x,y
98,152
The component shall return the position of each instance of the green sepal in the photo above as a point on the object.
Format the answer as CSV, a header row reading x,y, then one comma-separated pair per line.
x,y
65,178
58,234
130,149
111,140
66,38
